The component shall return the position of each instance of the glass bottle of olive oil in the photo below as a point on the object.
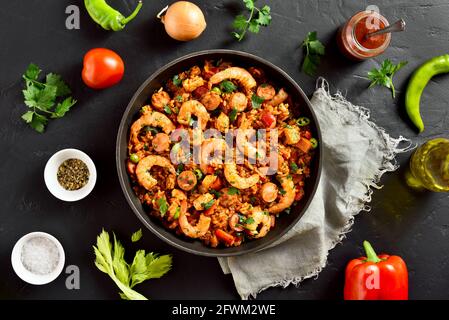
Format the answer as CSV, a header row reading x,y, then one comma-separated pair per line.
x,y
429,166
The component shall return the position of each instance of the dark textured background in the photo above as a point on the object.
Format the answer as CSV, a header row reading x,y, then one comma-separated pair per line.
x,y
413,225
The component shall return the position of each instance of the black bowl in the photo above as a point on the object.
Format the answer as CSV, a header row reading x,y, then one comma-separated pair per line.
x,y
286,221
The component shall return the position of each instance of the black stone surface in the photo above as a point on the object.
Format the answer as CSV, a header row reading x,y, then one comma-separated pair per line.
x,y
413,225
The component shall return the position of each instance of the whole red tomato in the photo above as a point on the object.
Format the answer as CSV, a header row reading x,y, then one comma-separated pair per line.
x,y
102,68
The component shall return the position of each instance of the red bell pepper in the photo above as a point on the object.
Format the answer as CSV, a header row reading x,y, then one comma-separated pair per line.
x,y
376,277
224,237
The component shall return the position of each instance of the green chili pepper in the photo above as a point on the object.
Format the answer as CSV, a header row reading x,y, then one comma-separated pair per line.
x,y
314,143
107,17
303,121
198,173
418,82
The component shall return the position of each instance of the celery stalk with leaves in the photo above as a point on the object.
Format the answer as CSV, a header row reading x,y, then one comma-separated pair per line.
x,y
110,259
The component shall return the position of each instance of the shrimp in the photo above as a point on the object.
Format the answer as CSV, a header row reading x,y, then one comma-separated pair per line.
x,y
207,147
244,77
152,119
143,171
192,84
196,108
196,231
287,199
249,148
231,174
280,97
260,223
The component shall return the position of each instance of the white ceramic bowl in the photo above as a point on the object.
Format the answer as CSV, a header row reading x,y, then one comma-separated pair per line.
x,y
51,180
28,276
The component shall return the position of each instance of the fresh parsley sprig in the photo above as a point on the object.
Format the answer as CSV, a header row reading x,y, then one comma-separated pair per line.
x,y
242,24
227,86
314,50
45,99
384,75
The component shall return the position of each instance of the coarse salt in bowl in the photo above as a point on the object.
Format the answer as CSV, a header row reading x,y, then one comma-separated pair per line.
x,y
51,170
38,258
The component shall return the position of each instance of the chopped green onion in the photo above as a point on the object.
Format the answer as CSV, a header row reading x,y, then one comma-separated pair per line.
x,y
178,98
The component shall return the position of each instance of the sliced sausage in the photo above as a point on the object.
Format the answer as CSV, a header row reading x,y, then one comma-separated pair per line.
x,y
238,101
187,180
211,100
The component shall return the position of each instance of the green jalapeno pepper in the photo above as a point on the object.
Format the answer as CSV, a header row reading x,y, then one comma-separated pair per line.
x,y
417,84
303,121
106,16
314,143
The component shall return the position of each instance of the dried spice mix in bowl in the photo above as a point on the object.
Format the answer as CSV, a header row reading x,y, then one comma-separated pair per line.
x,y
73,174
70,175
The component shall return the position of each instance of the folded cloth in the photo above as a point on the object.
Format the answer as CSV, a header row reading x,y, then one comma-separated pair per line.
x,y
356,153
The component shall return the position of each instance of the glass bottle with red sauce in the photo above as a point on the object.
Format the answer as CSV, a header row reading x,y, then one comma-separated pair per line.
x,y
352,38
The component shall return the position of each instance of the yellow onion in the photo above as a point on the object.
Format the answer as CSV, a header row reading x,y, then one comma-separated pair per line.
x,y
183,20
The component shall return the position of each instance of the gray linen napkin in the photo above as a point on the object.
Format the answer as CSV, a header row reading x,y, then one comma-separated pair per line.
x,y
356,153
